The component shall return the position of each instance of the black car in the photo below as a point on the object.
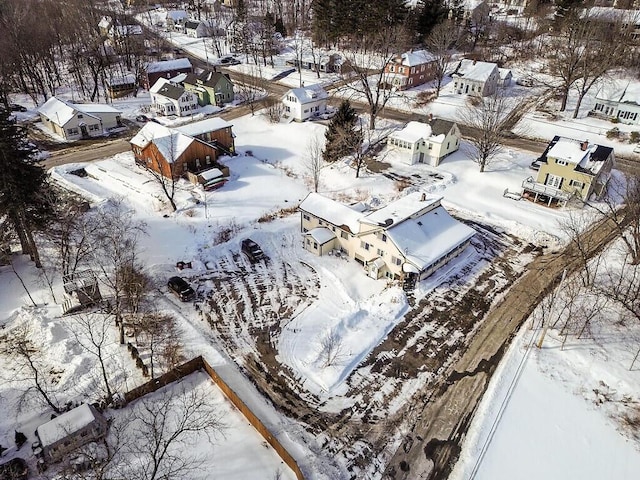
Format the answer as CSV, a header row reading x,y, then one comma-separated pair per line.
x,y
14,107
15,469
252,250
180,287
142,118
229,61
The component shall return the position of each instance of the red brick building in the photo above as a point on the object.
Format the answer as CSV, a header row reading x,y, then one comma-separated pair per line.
x,y
410,69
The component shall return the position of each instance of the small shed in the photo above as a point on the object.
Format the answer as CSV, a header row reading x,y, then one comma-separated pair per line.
x,y
70,431
81,291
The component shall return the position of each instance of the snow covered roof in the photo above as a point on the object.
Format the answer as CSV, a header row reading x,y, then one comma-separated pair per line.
x,y
475,70
176,15
321,235
168,65
419,57
621,92
66,424
211,174
413,132
333,212
613,14
429,237
169,142
60,111
169,90
504,73
401,209
203,126
589,160
159,84
104,22
308,94
125,30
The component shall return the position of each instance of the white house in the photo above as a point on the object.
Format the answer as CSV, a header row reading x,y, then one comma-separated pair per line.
x,y
168,98
472,77
176,19
71,430
75,121
409,238
420,142
202,28
305,102
619,100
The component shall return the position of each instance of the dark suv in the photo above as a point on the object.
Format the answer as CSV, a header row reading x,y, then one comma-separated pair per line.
x,y
252,250
180,287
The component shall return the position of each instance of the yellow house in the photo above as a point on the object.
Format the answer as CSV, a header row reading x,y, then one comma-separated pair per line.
x,y
409,238
569,169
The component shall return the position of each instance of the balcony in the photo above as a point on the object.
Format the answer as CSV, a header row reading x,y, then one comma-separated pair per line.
x,y
545,193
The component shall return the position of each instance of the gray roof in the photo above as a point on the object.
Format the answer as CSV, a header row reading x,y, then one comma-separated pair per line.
x,y
206,78
192,24
170,90
441,127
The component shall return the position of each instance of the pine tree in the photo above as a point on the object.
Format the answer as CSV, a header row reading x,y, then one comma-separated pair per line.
x,y
429,14
25,196
340,134
241,11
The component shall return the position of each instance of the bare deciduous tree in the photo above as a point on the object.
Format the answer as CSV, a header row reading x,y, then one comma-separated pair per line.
x,y
252,89
93,334
314,162
27,364
331,349
440,42
487,118
162,430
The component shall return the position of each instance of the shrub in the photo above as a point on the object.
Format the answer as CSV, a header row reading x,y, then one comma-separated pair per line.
x,y
425,97
613,133
615,120
634,137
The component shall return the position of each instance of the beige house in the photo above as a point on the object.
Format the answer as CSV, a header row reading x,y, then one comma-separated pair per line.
x,y
409,238
74,121
420,142
71,430
569,169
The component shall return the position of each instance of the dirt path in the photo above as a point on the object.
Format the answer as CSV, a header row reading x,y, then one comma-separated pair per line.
x,y
432,446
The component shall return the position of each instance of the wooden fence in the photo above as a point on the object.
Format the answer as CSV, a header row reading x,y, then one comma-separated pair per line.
x,y
199,363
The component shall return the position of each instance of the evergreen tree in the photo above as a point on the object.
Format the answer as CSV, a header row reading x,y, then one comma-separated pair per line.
x,y
25,196
429,13
241,11
341,133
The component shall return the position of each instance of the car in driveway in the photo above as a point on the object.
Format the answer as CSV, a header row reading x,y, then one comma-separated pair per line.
x,y
15,107
142,118
181,289
252,250
229,61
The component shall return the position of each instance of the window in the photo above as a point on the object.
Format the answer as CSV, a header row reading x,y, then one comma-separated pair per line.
x,y
380,252
577,184
430,146
315,245
561,162
208,159
72,131
554,181
396,260
306,217
383,237
80,116
344,235
364,245
308,242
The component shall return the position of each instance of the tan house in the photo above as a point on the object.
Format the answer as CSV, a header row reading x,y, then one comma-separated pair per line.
x,y
173,153
569,169
409,238
70,431
421,142
74,121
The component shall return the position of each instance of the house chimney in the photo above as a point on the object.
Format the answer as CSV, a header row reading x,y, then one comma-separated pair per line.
x,y
423,197
584,145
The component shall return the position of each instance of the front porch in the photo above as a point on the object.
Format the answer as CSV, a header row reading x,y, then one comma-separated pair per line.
x,y
546,194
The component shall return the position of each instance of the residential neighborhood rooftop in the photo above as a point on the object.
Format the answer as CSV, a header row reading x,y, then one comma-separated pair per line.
x,y
335,212
309,94
65,424
418,57
60,111
475,70
167,65
203,126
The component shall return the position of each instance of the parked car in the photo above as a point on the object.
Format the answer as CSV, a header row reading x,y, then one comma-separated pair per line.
x,y
181,289
142,118
14,107
229,61
15,469
252,250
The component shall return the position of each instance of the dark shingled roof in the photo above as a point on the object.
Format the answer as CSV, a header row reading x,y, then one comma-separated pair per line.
x,y
206,78
441,127
171,91
191,24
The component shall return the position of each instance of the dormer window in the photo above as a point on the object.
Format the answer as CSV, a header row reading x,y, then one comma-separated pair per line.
x,y
80,115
